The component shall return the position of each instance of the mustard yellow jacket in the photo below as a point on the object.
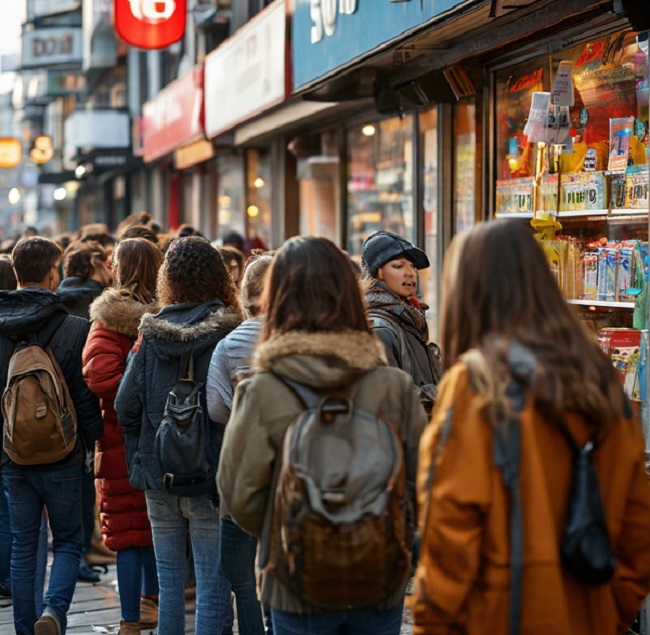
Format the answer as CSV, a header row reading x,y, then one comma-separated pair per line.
x,y
463,577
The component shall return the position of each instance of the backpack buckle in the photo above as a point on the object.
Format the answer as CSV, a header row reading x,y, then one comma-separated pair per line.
x,y
330,408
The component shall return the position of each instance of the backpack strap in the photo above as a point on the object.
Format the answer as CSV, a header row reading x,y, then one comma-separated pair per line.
x,y
506,449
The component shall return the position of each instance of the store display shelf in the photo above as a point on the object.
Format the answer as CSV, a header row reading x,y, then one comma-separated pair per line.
x,y
582,213
603,304
629,211
513,215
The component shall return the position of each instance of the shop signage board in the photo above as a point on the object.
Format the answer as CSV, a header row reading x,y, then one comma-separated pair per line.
x,y
150,24
42,8
329,34
248,73
58,46
174,117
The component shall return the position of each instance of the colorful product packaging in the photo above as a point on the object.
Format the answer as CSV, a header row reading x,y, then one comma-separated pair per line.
x,y
590,276
636,187
607,269
624,346
625,272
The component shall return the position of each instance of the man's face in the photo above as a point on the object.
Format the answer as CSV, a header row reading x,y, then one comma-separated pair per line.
x,y
54,276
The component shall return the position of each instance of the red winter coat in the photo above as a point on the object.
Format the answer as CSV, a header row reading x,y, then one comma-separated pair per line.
x,y
115,319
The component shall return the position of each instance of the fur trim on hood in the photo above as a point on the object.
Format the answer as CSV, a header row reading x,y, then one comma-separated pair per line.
x,y
356,349
119,311
159,328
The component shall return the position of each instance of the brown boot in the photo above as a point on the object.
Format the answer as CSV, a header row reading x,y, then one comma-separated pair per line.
x,y
149,611
130,628
100,554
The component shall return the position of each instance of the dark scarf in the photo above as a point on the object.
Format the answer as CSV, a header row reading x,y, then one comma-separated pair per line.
x,y
408,312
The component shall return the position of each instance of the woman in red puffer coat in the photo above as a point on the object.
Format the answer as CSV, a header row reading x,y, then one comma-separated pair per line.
x,y
115,316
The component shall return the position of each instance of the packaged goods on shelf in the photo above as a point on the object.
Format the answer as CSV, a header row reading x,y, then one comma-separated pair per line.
x,y
607,272
623,346
583,191
636,187
514,196
548,193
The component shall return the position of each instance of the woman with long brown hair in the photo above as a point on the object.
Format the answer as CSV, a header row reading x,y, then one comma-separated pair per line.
x,y
505,324
316,345
199,307
115,316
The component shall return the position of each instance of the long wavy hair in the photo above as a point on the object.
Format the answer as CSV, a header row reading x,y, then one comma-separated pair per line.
x,y
194,272
497,287
136,262
311,287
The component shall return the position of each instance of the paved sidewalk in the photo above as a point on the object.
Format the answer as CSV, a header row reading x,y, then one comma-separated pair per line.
x,y
96,609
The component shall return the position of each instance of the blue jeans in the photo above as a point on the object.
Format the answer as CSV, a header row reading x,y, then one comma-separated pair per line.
x,y
171,516
59,490
136,574
386,622
237,552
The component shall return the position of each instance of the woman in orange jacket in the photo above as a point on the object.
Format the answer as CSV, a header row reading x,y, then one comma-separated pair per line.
x,y
498,292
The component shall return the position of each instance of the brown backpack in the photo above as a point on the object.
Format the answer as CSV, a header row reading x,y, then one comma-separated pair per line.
x,y
40,423
339,533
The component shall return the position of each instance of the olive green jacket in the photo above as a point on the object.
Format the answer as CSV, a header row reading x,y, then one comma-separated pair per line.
x,y
264,407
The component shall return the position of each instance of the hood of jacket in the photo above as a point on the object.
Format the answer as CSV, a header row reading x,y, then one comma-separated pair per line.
x,y
322,360
74,286
26,310
119,311
178,327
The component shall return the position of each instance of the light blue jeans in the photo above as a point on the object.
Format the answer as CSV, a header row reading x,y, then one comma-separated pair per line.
x,y
59,490
171,518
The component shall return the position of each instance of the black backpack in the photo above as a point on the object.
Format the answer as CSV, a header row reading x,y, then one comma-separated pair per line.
x,y
183,438
586,549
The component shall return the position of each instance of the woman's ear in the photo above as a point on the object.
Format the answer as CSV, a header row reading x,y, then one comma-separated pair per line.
x,y
380,273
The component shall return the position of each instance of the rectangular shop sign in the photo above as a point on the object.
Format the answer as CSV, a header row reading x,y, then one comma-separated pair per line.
x,y
174,117
247,74
58,46
328,34
42,8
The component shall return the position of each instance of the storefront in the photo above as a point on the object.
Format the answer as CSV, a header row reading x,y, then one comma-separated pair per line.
x,y
245,77
176,150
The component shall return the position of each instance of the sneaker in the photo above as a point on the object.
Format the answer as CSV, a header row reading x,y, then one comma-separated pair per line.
x,y
86,573
47,625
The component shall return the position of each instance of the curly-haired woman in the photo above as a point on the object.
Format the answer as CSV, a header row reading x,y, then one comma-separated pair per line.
x,y
200,306
116,315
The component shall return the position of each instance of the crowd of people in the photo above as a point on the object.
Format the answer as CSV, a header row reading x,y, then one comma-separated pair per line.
x,y
279,428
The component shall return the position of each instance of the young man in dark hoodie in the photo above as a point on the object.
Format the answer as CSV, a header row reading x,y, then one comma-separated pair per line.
x,y
85,275
34,310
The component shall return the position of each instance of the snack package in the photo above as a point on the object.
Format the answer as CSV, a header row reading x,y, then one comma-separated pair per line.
x,y
625,273
624,347
607,269
620,131
590,276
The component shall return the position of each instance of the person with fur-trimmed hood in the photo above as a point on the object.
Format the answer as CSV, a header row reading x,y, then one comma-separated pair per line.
x,y
116,316
200,307
315,334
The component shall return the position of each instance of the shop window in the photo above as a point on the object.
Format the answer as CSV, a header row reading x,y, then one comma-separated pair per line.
x,y
258,199
380,180
464,165
318,167
429,278
231,196
572,155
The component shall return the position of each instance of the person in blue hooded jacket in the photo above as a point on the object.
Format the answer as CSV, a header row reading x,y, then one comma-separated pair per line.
x,y
200,307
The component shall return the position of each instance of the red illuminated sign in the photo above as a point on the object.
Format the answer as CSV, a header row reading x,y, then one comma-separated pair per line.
x,y
150,24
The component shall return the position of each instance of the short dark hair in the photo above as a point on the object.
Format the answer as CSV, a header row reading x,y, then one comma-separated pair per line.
x,y
8,280
33,258
194,271
82,258
311,287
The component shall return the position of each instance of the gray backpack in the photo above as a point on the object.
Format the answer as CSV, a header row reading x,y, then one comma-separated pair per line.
x,y
340,537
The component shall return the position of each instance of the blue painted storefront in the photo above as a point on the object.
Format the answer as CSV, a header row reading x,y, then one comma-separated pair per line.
x,y
374,23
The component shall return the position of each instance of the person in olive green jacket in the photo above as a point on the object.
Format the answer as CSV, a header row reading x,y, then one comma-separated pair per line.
x,y
315,333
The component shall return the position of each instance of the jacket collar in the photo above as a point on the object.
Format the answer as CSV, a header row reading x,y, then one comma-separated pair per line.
x,y
119,311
